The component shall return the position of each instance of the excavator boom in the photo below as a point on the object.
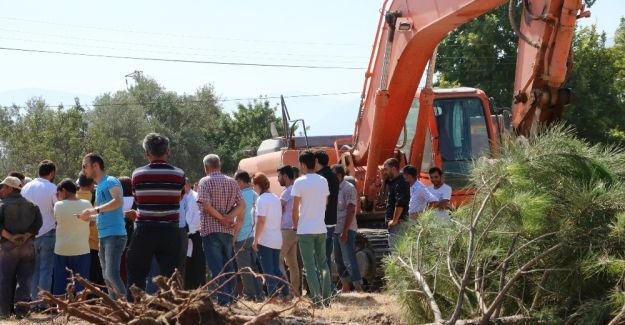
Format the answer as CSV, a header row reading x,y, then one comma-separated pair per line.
x,y
406,38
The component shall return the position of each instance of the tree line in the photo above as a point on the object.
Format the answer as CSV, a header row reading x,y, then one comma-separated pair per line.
x,y
117,123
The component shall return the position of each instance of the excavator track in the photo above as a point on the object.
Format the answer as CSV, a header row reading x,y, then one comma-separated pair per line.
x,y
371,248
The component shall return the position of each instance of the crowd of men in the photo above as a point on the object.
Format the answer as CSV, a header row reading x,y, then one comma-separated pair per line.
x,y
120,232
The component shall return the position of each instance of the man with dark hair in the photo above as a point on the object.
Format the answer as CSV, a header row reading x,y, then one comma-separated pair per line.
x,y
85,191
397,201
244,237
19,176
420,197
109,221
310,195
158,188
288,251
330,214
345,235
20,220
42,192
221,203
441,191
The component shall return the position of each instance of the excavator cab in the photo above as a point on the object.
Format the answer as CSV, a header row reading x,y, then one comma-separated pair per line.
x,y
458,127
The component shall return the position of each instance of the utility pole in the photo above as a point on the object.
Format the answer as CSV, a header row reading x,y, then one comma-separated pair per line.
x,y
134,75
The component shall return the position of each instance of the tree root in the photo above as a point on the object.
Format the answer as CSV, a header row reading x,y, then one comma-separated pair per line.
x,y
170,305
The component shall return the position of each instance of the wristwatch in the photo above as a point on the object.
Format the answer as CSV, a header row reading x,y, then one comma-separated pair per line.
x,y
97,210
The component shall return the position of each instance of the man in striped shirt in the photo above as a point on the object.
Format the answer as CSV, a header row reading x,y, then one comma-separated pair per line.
x,y
158,188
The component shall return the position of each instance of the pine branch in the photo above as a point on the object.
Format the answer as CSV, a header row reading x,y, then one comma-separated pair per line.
x,y
504,268
502,293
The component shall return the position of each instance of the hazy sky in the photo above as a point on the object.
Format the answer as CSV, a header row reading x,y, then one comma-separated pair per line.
x,y
318,33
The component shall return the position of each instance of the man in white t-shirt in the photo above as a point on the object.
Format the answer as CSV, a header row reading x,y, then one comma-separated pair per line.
x,y
288,252
441,191
310,194
42,192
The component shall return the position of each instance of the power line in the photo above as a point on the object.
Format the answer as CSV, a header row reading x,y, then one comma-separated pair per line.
x,y
90,46
260,98
181,60
153,45
180,35
440,57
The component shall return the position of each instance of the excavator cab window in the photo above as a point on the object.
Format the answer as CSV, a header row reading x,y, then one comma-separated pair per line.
x,y
463,136
411,128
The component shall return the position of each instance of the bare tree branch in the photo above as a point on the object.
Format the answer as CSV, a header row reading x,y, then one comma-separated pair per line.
x,y
438,318
470,255
618,319
538,291
504,268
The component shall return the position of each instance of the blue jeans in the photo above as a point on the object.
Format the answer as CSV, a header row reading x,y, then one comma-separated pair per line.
x,y
395,232
79,264
246,257
345,258
111,250
44,263
218,252
270,262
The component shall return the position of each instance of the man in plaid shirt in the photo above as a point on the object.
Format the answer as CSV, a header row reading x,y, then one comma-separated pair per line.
x,y
221,203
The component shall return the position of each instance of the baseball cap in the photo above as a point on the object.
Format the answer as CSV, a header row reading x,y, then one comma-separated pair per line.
x,y
13,182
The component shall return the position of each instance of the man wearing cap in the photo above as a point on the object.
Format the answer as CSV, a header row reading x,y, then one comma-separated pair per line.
x,y
20,221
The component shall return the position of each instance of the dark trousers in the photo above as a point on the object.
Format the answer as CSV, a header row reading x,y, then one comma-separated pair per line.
x,y
182,254
329,248
246,258
79,264
17,265
195,270
95,271
161,241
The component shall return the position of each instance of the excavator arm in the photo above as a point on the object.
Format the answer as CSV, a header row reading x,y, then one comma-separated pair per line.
x,y
407,34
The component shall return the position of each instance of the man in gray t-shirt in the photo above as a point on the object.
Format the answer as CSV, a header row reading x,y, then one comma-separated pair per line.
x,y
345,233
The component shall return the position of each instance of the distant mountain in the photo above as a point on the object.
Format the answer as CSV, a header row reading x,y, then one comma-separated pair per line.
x,y
52,97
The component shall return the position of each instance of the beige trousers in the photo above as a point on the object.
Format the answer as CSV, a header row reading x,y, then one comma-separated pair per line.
x,y
288,254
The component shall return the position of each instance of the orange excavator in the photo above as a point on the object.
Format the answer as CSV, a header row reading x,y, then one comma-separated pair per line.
x,y
447,128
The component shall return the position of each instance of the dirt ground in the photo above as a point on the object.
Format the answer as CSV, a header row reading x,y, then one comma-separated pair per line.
x,y
351,308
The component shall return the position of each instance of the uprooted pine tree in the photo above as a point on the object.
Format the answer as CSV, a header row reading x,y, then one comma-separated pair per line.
x,y
542,242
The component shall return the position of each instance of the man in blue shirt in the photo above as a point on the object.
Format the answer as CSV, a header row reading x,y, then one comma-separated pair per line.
x,y
244,237
110,222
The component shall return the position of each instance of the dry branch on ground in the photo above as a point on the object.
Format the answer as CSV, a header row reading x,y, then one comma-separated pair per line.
x,y
169,305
